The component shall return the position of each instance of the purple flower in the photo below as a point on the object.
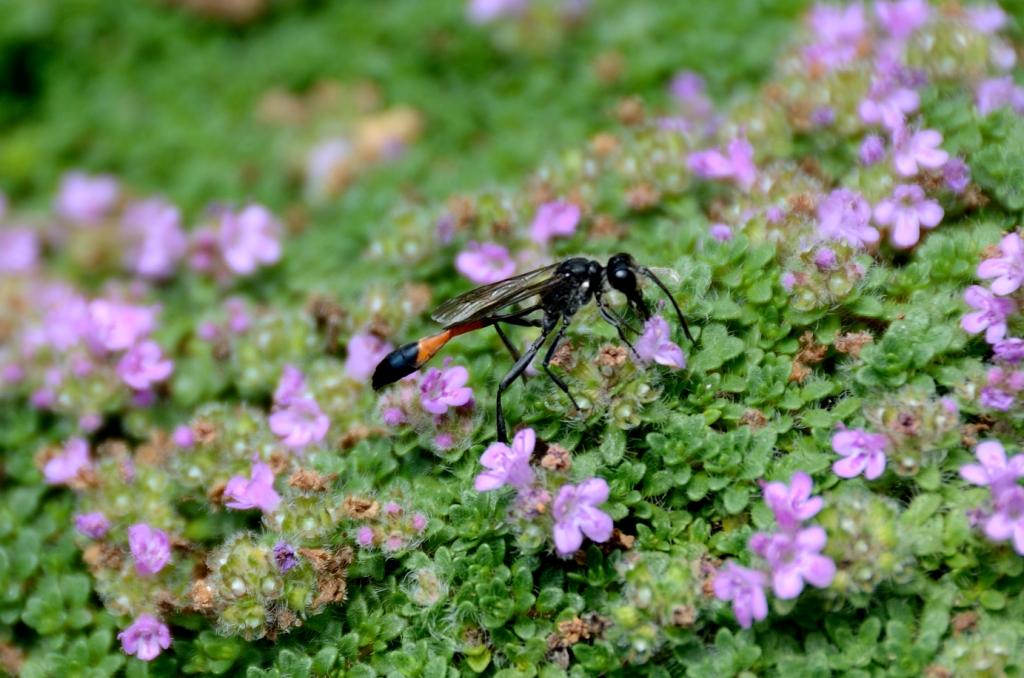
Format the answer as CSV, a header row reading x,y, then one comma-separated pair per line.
x,y
906,212
888,103
86,199
328,165
419,522
364,352
441,389
994,471
93,525
795,558
117,327
144,365
557,218
825,258
576,514
995,93
687,88
1007,520
507,465
957,175
284,556
736,164
864,452
156,240
1008,270
364,536
918,149
1011,350
300,423
150,547
996,399
793,503
745,588
720,232
838,32
823,116
203,250
183,436
990,316
674,123
146,638
19,250
846,216
257,492
238,315
986,18
484,263
872,149
901,18
249,239
66,466
788,281
488,11
655,344
290,386
393,416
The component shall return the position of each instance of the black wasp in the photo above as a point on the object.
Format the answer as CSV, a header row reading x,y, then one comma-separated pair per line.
x,y
561,290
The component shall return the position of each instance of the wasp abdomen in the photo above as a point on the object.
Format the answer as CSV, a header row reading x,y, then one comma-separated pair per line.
x,y
401,362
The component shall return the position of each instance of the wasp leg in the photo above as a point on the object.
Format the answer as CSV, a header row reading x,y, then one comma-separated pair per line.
x,y
516,319
517,369
616,322
508,344
547,362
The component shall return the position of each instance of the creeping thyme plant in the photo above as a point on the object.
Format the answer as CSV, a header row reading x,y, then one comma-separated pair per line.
x,y
200,480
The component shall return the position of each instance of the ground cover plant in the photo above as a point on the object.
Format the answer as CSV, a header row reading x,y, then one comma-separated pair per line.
x,y
199,479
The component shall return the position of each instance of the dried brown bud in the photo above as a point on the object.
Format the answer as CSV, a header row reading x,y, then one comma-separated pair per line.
x,y
612,356
630,111
684,616
564,358
360,508
309,480
852,342
204,432
279,462
604,144
642,197
754,418
557,458
609,67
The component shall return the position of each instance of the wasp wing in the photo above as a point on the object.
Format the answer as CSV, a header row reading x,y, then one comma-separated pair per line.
x,y
484,301
669,275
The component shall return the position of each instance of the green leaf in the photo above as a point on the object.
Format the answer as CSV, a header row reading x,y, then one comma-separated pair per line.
x,y
735,498
698,486
717,346
761,291
479,658
613,446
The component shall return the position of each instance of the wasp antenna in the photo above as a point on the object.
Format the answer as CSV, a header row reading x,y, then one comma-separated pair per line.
x,y
682,320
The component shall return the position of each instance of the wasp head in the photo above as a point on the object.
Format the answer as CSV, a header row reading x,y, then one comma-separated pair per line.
x,y
621,274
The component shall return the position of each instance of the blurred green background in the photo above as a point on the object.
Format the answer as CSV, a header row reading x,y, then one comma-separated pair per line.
x,y
165,98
